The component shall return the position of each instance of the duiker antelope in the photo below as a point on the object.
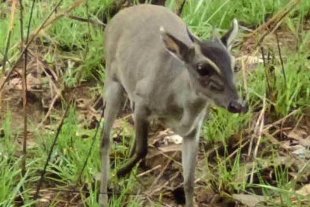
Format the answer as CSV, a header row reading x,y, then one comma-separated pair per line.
x,y
168,74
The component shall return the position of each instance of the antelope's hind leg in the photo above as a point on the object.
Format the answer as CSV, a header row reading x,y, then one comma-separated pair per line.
x,y
140,147
113,97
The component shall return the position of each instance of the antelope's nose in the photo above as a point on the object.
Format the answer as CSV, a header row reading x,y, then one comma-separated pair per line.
x,y
237,106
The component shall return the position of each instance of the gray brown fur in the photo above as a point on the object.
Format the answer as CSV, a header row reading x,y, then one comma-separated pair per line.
x,y
168,74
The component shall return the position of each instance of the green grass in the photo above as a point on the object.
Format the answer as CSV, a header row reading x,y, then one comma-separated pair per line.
x,y
75,48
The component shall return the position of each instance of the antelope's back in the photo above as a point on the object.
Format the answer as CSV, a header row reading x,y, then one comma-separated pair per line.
x,y
133,45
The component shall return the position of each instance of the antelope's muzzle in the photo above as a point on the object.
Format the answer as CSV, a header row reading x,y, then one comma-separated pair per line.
x,y
237,106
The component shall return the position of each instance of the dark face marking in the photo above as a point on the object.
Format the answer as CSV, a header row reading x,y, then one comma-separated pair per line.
x,y
217,53
212,66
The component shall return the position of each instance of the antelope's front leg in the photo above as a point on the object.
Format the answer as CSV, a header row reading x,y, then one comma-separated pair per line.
x,y
189,152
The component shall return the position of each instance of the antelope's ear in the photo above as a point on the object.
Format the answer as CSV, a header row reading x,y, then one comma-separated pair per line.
x,y
176,47
230,36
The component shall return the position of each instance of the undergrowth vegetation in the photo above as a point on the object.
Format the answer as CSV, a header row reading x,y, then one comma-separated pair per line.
x,y
248,154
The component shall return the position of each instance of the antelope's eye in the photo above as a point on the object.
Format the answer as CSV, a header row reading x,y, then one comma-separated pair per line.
x,y
204,69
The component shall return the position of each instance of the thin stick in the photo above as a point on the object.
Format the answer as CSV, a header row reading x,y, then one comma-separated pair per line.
x,y
282,13
24,88
259,132
36,195
90,150
21,23
5,55
180,10
148,171
265,70
280,120
281,59
235,152
49,110
245,85
94,22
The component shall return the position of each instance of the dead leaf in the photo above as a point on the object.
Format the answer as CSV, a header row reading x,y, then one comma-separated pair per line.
x,y
249,200
302,152
304,191
121,127
305,142
174,139
251,61
297,134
